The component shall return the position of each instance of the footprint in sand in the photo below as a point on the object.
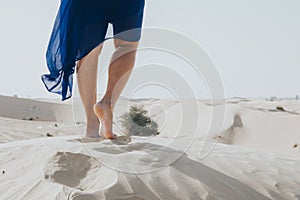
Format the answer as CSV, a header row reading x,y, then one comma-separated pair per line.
x,y
78,171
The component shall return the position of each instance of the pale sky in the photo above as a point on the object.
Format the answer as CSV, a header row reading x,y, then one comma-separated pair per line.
x,y
255,44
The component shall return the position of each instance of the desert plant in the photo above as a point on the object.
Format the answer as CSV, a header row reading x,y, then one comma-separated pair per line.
x,y
137,122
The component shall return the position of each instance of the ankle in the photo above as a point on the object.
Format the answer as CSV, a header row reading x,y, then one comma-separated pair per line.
x,y
106,101
92,128
94,123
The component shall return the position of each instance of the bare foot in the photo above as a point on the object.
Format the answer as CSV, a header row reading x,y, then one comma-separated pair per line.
x,y
92,133
92,129
103,111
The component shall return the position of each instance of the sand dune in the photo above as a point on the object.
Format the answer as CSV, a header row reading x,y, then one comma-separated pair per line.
x,y
62,167
34,110
46,158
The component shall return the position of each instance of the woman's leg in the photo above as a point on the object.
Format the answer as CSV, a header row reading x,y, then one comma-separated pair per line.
x,y
120,68
87,85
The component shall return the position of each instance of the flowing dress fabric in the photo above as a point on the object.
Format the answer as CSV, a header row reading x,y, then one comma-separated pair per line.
x,y
79,27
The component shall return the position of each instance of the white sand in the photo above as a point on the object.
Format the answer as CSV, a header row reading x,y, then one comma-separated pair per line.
x,y
260,160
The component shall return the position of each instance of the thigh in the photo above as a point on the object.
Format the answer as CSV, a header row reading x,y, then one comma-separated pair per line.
x,y
88,25
119,43
127,20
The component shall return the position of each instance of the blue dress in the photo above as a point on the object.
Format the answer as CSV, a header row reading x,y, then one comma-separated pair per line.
x,y
79,27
